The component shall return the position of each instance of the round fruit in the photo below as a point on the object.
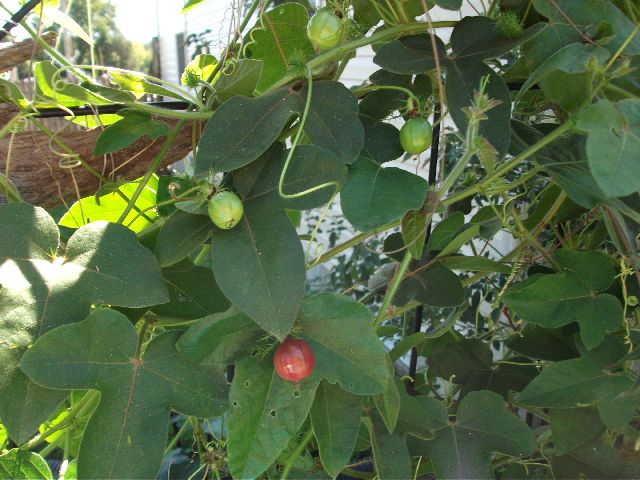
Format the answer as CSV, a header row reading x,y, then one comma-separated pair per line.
x,y
294,360
416,135
225,210
324,30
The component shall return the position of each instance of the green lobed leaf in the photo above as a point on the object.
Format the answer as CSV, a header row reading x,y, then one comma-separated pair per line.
x,y
483,426
555,300
259,265
41,293
585,381
279,36
373,196
335,416
613,144
347,350
266,412
25,465
126,435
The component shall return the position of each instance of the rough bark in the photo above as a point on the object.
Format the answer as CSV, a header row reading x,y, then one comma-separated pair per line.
x,y
37,169
14,54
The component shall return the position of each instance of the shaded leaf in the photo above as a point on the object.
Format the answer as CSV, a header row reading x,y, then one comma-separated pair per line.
x,y
373,196
181,234
573,427
390,452
559,299
584,381
126,435
335,416
483,425
266,412
38,294
220,338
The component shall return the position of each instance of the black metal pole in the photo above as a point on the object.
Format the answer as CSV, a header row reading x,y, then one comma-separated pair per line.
x,y
103,109
433,174
18,17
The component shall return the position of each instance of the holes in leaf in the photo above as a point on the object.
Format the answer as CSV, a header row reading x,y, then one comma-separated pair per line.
x,y
235,404
296,393
272,413
247,383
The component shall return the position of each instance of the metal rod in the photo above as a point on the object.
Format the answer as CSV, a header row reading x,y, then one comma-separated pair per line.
x,y
18,17
103,109
433,173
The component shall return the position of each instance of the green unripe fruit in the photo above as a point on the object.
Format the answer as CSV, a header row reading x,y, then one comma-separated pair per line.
x,y
416,135
225,210
325,30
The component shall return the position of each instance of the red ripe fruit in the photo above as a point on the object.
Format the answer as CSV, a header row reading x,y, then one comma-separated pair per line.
x,y
294,360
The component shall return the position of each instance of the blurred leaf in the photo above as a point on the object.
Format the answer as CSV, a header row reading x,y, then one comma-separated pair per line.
x,y
25,465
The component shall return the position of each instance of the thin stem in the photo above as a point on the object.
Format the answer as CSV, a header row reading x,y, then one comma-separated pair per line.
x,y
296,454
92,48
152,168
387,34
353,242
176,438
85,402
202,256
55,55
512,164
393,288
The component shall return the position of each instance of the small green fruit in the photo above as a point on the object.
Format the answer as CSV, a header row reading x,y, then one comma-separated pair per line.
x,y
325,30
225,210
416,135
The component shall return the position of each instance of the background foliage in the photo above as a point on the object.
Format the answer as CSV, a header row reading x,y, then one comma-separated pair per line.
x,y
137,339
